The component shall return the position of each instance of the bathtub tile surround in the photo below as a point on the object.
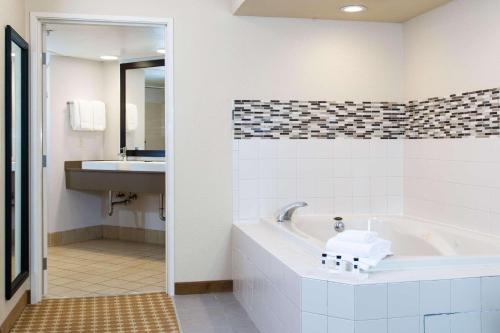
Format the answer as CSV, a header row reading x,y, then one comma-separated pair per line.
x,y
262,260
343,176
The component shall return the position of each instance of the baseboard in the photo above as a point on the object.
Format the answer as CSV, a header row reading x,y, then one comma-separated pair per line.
x,y
16,312
75,235
141,235
203,287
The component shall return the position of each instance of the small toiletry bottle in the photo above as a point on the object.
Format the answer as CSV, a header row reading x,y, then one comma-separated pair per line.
x,y
338,260
355,266
323,260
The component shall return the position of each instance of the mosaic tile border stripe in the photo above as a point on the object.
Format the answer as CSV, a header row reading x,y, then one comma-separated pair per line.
x,y
317,119
470,114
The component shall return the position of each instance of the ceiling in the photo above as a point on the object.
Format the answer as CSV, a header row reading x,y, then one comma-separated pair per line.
x,y
92,41
378,10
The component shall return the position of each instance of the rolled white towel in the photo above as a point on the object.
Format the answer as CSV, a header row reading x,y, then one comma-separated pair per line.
x,y
360,250
357,236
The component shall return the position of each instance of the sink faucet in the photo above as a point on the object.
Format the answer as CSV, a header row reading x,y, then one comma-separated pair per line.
x,y
123,153
286,212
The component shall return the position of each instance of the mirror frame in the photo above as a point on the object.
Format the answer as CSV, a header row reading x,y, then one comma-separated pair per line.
x,y
11,286
123,101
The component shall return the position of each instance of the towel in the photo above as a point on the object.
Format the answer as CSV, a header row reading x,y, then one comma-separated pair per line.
x,y
86,115
359,250
357,236
131,117
99,119
81,115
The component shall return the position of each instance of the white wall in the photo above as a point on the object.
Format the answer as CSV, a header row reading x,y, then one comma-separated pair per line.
x,y
453,49
70,209
70,79
12,13
219,58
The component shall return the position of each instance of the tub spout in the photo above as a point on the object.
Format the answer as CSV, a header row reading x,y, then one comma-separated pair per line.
x,y
286,212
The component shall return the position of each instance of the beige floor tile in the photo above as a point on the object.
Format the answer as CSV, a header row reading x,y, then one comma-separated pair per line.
x,y
105,267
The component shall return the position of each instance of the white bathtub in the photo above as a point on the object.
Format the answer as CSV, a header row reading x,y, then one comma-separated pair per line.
x,y
415,243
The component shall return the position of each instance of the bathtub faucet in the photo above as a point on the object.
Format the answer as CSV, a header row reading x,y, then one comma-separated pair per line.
x,y
286,212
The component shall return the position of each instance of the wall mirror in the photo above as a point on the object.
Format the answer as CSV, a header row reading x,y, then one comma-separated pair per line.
x,y
142,108
16,162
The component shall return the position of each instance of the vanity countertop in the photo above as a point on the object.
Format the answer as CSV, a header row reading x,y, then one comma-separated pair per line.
x,y
112,176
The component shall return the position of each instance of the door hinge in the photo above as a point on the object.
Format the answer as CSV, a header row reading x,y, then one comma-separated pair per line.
x,y
44,58
44,161
44,264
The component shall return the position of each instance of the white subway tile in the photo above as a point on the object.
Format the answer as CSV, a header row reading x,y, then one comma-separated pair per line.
x,y
404,325
343,205
287,149
317,148
394,205
466,322
434,297
378,186
437,323
371,326
248,169
249,149
343,187
286,168
360,148
370,301
342,148
268,207
268,168
337,325
341,300
314,323
249,189
248,209
466,295
490,321
314,296
490,293
268,188
361,205
361,186
394,186
342,167
268,149
286,188
403,299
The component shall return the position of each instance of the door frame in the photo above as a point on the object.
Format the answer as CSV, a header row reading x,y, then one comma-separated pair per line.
x,y
38,224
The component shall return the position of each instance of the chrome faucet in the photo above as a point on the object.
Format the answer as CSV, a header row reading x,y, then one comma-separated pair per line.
x,y
286,212
123,154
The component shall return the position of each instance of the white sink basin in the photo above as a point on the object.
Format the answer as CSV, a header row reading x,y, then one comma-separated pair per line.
x,y
156,166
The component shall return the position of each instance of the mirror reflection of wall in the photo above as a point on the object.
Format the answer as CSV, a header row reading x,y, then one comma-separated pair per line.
x,y
16,151
145,108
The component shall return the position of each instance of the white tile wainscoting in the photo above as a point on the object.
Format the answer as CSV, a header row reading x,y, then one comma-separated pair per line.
x,y
344,176
280,293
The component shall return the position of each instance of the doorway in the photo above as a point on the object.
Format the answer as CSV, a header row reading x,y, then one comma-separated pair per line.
x,y
123,240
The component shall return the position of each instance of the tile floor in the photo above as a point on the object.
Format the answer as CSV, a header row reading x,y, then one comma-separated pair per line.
x,y
212,313
105,267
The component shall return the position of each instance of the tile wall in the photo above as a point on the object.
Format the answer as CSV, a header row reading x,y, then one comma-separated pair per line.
x,y
341,176
454,181
436,159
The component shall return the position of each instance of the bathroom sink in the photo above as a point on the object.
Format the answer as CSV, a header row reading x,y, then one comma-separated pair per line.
x,y
156,166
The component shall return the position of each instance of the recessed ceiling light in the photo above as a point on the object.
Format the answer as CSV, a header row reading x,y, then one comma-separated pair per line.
x,y
108,57
161,51
353,9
